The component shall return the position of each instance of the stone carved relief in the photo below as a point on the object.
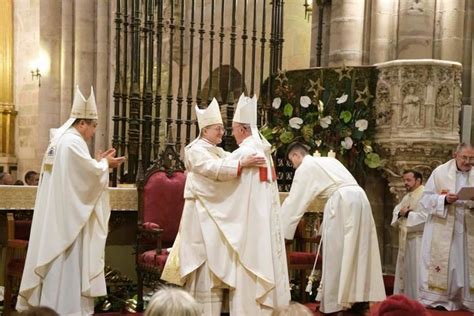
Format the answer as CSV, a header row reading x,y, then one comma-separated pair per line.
x,y
412,101
423,157
424,96
443,109
444,75
382,105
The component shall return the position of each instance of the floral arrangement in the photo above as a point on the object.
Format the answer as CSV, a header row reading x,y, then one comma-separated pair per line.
x,y
338,116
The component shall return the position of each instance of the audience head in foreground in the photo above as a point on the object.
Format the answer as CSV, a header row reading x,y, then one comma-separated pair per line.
x,y
172,301
294,309
39,311
399,305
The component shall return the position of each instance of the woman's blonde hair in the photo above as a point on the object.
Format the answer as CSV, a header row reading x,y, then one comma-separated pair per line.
x,y
172,301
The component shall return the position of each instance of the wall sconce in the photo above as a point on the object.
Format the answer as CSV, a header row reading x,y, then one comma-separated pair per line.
x,y
308,9
36,74
40,66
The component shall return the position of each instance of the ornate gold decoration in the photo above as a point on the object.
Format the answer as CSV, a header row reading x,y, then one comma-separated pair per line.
x,y
23,197
7,109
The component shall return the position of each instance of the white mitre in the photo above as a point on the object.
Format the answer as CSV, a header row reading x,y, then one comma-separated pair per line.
x,y
81,109
210,115
246,111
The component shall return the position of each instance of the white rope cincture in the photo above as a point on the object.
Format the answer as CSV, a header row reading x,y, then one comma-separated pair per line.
x,y
312,276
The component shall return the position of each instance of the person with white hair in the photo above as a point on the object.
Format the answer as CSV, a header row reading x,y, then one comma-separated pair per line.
x,y
172,301
64,267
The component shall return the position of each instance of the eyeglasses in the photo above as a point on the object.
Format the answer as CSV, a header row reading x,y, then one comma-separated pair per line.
x,y
217,128
466,158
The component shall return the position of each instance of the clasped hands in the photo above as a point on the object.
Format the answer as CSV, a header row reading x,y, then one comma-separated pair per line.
x,y
109,155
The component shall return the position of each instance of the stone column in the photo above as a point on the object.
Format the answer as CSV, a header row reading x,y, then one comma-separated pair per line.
x,y
383,32
296,48
415,29
103,94
49,94
67,59
417,125
84,49
7,107
26,53
468,49
449,30
347,31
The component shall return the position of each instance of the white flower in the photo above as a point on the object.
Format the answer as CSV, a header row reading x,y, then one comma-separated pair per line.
x,y
347,143
320,106
276,103
342,98
325,121
305,101
295,122
318,142
361,125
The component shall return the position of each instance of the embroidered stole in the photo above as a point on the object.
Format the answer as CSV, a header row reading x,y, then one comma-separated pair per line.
x,y
443,229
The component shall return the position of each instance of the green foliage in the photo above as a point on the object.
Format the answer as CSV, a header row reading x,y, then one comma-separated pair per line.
x,y
341,113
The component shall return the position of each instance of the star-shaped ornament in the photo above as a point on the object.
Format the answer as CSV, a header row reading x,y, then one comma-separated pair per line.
x,y
316,87
364,96
281,76
343,72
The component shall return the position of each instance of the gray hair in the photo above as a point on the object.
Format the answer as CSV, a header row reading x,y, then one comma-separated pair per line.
x,y
172,301
461,146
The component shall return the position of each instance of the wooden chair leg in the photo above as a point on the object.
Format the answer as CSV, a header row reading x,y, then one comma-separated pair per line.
x,y
7,300
139,291
303,286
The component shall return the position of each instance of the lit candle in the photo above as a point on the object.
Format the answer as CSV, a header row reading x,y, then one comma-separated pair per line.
x,y
331,154
466,124
317,154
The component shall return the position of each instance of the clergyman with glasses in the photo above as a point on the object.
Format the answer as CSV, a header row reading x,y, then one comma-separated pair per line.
x,y
447,256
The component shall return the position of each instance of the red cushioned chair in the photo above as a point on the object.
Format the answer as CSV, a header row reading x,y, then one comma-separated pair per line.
x,y
160,199
301,252
18,234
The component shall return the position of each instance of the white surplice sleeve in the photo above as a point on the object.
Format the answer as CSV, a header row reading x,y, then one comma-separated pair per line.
x,y
303,190
220,169
431,202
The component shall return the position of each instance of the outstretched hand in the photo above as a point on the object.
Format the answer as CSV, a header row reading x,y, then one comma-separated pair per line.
x,y
102,154
252,161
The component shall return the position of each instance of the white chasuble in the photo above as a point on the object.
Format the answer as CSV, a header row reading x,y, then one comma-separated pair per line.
x,y
352,269
409,243
447,267
64,266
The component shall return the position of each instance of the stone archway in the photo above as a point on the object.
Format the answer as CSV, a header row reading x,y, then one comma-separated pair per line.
x,y
220,90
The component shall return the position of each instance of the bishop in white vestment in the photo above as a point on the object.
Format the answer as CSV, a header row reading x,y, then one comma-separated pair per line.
x,y
447,262
64,267
260,193
352,269
410,220
205,260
